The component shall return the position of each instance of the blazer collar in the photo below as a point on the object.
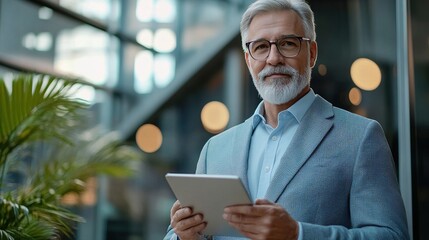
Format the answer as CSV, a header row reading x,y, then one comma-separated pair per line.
x,y
314,126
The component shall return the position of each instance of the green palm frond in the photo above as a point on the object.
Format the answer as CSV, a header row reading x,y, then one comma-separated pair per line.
x,y
28,229
35,230
35,108
12,213
57,218
71,166
68,170
28,216
16,222
5,235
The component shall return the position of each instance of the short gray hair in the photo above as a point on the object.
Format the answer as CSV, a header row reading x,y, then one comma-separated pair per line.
x,y
261,6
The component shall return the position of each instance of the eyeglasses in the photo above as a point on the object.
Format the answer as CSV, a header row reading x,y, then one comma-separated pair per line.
x,y
289,46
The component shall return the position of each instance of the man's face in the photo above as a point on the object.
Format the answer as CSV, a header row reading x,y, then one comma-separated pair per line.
x,y
271,26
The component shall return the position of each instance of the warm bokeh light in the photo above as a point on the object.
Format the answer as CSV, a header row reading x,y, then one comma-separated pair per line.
x,y
361,111
322,69
365,74
70,199
89,196
149,138
355,96
215,117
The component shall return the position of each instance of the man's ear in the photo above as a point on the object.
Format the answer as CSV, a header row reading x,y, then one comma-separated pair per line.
x,y
313,53
246,57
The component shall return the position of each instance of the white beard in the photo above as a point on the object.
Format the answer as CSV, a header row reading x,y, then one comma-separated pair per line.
x,y
281,90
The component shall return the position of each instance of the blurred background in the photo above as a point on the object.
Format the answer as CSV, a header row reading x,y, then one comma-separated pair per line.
x,y
169,74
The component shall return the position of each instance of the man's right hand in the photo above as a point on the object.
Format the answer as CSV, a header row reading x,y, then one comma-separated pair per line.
x,y
186,224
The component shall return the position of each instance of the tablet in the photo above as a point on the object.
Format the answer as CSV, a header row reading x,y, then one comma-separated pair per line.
x,y
209,195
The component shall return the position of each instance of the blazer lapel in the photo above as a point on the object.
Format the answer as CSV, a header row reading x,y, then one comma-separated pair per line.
x,y
240,150
313,127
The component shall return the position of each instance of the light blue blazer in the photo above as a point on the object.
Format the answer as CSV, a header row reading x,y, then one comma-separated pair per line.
x,y
337,176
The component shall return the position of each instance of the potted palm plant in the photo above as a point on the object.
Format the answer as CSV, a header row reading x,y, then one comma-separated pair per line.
x,y
42,142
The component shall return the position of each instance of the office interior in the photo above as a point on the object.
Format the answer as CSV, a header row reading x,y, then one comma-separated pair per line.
x,y
169,74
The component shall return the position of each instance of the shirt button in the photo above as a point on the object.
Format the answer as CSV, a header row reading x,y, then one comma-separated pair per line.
x,y
274,138
267,169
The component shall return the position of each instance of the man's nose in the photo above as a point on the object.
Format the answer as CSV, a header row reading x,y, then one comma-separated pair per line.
x,y
274,58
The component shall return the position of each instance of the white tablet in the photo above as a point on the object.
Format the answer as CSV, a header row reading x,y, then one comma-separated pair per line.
x,y
209,195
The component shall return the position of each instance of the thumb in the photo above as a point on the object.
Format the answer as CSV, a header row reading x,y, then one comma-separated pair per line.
x,y
263,202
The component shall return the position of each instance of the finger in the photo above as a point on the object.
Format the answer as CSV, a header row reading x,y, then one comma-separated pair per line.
x,y
251,235
189,222
192,232
250,230
240,218
263,202
263,227
239,209
246,229
181,214
252,211
176,206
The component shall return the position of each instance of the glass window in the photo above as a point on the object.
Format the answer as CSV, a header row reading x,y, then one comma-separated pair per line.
x,y
357,36
181,29
203,22
150,71
420,42
100,10
6,73
86,52
56,43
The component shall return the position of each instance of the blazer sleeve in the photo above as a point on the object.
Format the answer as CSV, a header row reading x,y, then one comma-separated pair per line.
x,y
376,206
201,164
170,234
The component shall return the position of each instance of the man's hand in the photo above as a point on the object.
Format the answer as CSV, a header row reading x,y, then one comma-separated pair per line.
x,y
186,224
263,220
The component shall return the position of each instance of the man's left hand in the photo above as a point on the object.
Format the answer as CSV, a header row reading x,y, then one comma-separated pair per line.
x,y
263,220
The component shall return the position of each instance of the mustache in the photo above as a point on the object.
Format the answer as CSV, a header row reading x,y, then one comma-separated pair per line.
x,y
269,70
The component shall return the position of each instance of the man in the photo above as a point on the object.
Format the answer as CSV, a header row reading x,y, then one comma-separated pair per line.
x,y
313,170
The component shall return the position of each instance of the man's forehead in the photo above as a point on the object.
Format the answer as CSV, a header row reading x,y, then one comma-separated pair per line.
x,y
279,22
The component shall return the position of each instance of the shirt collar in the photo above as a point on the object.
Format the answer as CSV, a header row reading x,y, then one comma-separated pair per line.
x,y
297,110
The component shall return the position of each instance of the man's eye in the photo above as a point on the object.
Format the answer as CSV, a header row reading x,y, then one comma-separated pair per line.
x,y
288,43
260,46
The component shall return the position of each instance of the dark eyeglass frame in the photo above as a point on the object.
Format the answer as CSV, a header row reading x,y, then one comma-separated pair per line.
x,y
300,39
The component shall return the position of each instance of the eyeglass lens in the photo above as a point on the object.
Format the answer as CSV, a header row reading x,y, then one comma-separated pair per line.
x,y
288,47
